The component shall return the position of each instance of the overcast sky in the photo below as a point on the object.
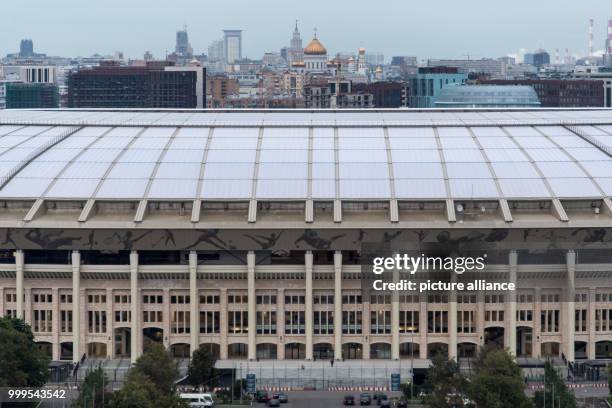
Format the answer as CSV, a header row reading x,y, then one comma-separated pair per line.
x,y
425,28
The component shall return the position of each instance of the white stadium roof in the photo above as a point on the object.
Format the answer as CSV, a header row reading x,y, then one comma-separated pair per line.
x,y
296,155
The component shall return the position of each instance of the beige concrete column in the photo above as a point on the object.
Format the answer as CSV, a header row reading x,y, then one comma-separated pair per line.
x,y
194,306
591,324
77,351
452,320
167,316
252,351
568,325
395,345
55,326
338,305
110,323
308,260
480,317
27,305
537,333
19,273
136,335
423,326
367,328
510,299
223,324
280,322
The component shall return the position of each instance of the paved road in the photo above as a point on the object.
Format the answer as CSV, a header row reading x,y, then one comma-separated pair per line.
x,y
319,399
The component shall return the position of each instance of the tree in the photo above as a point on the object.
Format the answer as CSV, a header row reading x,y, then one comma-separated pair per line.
x,y
93,390
497,381
555,391
157,364
22,363
138,391
446,382
202,368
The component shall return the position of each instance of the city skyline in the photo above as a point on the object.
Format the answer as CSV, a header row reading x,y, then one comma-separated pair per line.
x,y
391,30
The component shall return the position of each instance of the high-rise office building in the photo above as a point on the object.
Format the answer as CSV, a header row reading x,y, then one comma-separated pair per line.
x,y
608,54
183,48
156,85
295,52
31,96
232,45
215,51
26,48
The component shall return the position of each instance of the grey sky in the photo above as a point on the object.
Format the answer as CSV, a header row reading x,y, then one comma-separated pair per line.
x,y
425,28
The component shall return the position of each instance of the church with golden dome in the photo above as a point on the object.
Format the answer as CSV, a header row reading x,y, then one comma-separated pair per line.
x,y
315,59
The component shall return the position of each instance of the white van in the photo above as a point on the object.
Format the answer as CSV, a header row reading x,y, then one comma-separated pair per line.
x,y
199,400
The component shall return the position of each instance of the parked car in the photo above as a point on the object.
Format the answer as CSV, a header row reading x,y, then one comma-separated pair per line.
x,y
274,402
365,399
283,398
382,397
401,404
262,396
384,403
198,400
348,400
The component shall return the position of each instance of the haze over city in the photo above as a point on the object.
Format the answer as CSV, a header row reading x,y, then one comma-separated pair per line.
x,y
427,29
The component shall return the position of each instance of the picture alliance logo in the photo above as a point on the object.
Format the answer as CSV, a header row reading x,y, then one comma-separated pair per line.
x,y
424,263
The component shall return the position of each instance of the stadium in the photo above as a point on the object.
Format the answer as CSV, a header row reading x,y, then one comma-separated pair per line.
x,y
243,231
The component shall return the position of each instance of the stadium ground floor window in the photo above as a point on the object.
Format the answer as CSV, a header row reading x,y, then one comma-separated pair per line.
x,y
434,349
152,335
524,341
380,351
466,350
213,348
66,351
580,350
603,349
409,350
352,351
266,351
238,351
550,349
295,351
96,350
180,350
123,336
45,347
494,337
323,351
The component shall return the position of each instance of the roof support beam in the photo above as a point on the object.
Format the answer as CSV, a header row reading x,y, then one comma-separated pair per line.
x,y
393,210
141,210
337,210
450,210
38,209
88,211
252,216
505,210
196,210
607,205
309,211
559,211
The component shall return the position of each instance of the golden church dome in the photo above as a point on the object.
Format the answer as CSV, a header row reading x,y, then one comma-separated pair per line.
x,y
315,48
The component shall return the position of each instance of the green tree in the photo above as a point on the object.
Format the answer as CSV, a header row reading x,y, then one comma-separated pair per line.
x,y
21,363
446,382
138,391
497,381
202,368
555,391
93,389
158,365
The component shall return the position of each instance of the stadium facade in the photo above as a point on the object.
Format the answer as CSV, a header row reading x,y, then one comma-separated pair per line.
x,y
243,230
